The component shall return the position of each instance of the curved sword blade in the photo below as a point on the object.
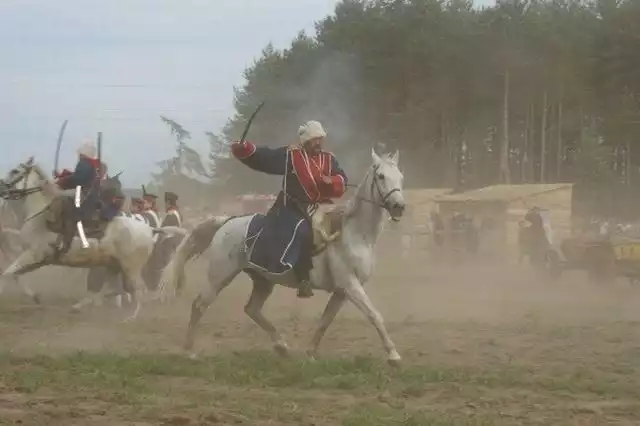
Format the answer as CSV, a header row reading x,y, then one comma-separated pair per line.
x,y
58,145
246,129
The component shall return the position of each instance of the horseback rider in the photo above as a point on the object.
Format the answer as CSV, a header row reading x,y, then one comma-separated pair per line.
x,y
87,175
172,216
311,176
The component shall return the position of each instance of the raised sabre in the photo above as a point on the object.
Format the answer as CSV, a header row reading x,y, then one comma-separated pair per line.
x,y
59,143
100,149
246,129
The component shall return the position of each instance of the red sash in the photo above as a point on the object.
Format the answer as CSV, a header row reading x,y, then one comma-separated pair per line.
x,y
309,169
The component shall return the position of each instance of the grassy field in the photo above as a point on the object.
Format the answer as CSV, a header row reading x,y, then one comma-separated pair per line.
x,y
259,388
498,353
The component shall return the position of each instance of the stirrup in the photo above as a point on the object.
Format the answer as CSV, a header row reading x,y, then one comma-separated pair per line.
x,y
304,289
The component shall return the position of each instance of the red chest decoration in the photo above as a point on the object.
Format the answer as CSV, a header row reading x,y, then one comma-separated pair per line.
x,y
97,167
309,169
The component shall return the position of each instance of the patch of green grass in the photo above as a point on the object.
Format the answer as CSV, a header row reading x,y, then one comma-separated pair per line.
x,y
250,386
265,370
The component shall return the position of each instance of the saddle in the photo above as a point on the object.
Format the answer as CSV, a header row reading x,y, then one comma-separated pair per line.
x,y
326,226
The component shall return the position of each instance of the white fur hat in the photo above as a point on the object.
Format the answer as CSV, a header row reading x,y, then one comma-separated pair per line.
x,y
88,148
310,130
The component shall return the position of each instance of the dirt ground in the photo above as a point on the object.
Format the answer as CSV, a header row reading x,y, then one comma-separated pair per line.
x,y
481,345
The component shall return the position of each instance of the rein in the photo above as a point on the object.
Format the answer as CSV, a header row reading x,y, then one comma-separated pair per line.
x,y
10,193
18,194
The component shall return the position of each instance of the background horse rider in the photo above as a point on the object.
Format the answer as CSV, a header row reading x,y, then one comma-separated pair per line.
x,y
87,175
311,176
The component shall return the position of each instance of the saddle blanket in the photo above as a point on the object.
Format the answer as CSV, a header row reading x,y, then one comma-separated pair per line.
x,y
274,241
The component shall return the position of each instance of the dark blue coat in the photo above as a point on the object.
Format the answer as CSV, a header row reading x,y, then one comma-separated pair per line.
x,y
86,176
278,238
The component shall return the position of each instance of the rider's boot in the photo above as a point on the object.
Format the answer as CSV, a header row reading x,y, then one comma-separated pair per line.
x,y
304,283
64,240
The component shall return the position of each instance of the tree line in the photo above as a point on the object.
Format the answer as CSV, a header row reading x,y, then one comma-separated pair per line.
x,y
526,91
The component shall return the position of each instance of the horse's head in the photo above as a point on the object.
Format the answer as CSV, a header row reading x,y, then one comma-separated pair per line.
x,y
387,179
26,176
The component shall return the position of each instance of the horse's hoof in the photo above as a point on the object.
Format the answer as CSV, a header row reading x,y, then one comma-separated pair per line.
x,y
36,299
129,319
193,356
281,349
311,355
394,359
395,363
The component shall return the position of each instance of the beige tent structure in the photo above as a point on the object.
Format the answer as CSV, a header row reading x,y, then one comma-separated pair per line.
x,y
413,231
420,203
497,209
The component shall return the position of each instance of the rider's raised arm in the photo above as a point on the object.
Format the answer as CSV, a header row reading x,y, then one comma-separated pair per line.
x,y
272,161
338,185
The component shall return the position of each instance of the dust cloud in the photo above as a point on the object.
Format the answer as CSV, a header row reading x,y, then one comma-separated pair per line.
x,y
416,297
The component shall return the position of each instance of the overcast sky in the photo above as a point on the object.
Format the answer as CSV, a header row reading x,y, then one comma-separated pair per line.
x,y
116,65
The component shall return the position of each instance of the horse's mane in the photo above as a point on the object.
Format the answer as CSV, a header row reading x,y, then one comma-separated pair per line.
x,y
48,186
388,158
36,167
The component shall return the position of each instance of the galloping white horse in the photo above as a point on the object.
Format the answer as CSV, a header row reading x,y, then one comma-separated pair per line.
x,y
342,269
125,246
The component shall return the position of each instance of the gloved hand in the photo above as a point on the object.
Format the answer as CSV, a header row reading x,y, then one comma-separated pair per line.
x,y
63,173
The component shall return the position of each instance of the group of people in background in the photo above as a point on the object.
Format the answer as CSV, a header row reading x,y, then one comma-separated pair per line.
x,y
147,205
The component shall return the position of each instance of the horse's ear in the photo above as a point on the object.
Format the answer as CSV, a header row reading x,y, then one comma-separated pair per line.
x,y
374,156
396,156
30,161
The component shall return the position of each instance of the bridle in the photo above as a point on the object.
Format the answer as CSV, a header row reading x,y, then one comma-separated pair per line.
x,y
7,190
382,199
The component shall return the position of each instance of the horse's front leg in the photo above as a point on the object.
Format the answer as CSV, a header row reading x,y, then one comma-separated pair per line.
x,y
27,261
356,295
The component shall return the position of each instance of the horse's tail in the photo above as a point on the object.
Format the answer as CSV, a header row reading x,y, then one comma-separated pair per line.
x,y
193,245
